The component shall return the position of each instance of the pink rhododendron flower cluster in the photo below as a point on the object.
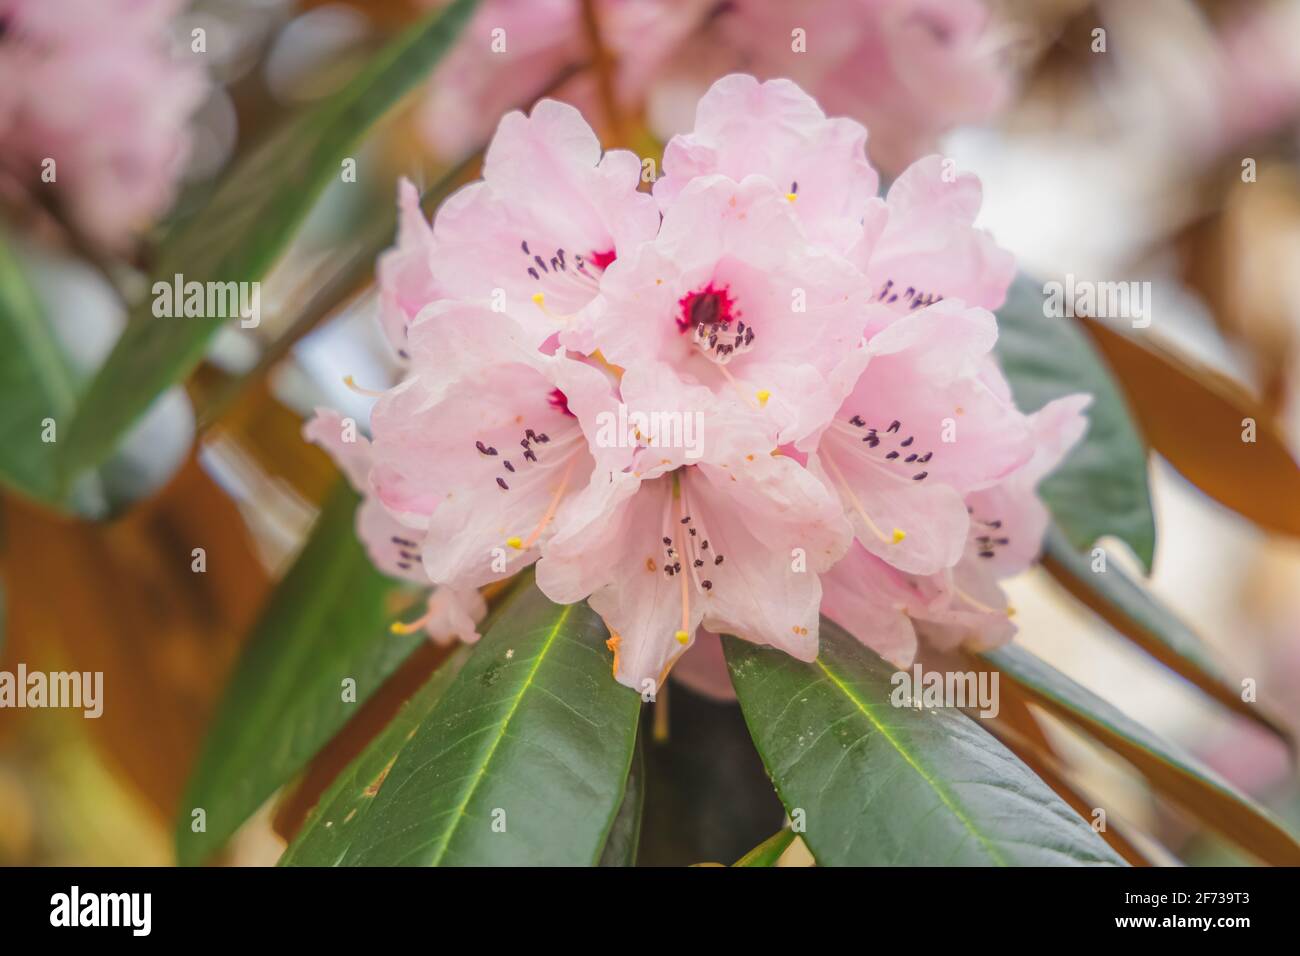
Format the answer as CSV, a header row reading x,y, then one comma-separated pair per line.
x,y
852,448
91,85
908,69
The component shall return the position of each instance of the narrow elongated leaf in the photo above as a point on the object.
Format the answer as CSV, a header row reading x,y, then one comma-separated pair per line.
x,y
327,623
1199,420
769,851
524,760
327,834
877,784
1101,488
1171,771
1137,614
36,384
625,834
240,233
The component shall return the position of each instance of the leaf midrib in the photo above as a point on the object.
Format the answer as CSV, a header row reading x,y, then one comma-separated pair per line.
x,y
459,812
944,797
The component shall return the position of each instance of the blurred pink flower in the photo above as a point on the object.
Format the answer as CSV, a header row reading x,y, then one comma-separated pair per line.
x,y
91,85
909,69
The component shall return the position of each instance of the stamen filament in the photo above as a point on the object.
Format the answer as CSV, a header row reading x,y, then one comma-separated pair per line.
x,y
351,383
399,627
550,509
898,535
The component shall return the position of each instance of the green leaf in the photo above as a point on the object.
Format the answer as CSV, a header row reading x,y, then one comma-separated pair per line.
x,y
1136,613
326,622
769,851
1101,488
1171,770
36,383
625,834
242,230
523,761
328,830
878,784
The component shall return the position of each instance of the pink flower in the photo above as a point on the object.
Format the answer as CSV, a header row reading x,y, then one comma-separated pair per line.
x,y
963,604
394,545
405,272
489,440
825,358
776,130
920,244
733,546
730,307
920,429
90,85
533,238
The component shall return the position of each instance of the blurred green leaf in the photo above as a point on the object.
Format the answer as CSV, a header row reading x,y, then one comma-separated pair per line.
x,y
1171,771
625,834
326,622
241,232
36,383
877,784
525,758
769,851
1136,613
328,831
1101,488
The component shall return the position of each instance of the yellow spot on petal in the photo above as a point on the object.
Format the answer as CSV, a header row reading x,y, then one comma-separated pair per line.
x,y
899,535
650,564
1011,611
682,637
791,197
539,298
749,458
763,396
515,542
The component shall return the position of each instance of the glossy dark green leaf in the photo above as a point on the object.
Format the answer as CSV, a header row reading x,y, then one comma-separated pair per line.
x,y
625,834
241,232
878,784
1101,487
1171,770
326,622
1137,614
769,851
525,758
328,830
